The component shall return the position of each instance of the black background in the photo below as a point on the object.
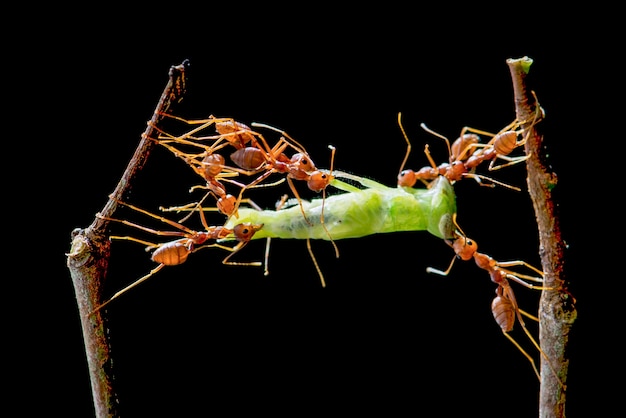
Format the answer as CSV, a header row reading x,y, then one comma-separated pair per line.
x,y
383,336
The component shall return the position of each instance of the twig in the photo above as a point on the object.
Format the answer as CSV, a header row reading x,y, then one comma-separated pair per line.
x,y
88,260
556,310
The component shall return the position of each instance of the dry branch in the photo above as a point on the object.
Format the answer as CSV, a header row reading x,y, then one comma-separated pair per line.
x,y
88,261
556,310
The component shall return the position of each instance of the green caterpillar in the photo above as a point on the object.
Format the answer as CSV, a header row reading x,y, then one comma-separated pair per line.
x,y
374,209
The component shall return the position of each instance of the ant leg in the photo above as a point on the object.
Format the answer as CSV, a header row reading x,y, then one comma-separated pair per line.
x,y
127,288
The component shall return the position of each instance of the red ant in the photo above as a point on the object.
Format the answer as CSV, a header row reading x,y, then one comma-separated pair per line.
x,y
462,163
273,160
234,133
175,252
300,166
504,306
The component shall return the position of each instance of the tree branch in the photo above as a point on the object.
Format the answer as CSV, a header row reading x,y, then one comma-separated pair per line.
x,y
556,310
88,260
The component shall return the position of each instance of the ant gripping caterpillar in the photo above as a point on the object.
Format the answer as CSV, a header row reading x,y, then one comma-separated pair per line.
x,y
176,252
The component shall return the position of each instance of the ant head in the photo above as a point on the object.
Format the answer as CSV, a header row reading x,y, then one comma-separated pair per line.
x,y
407,178
227,205
464,248
245,231
318,181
